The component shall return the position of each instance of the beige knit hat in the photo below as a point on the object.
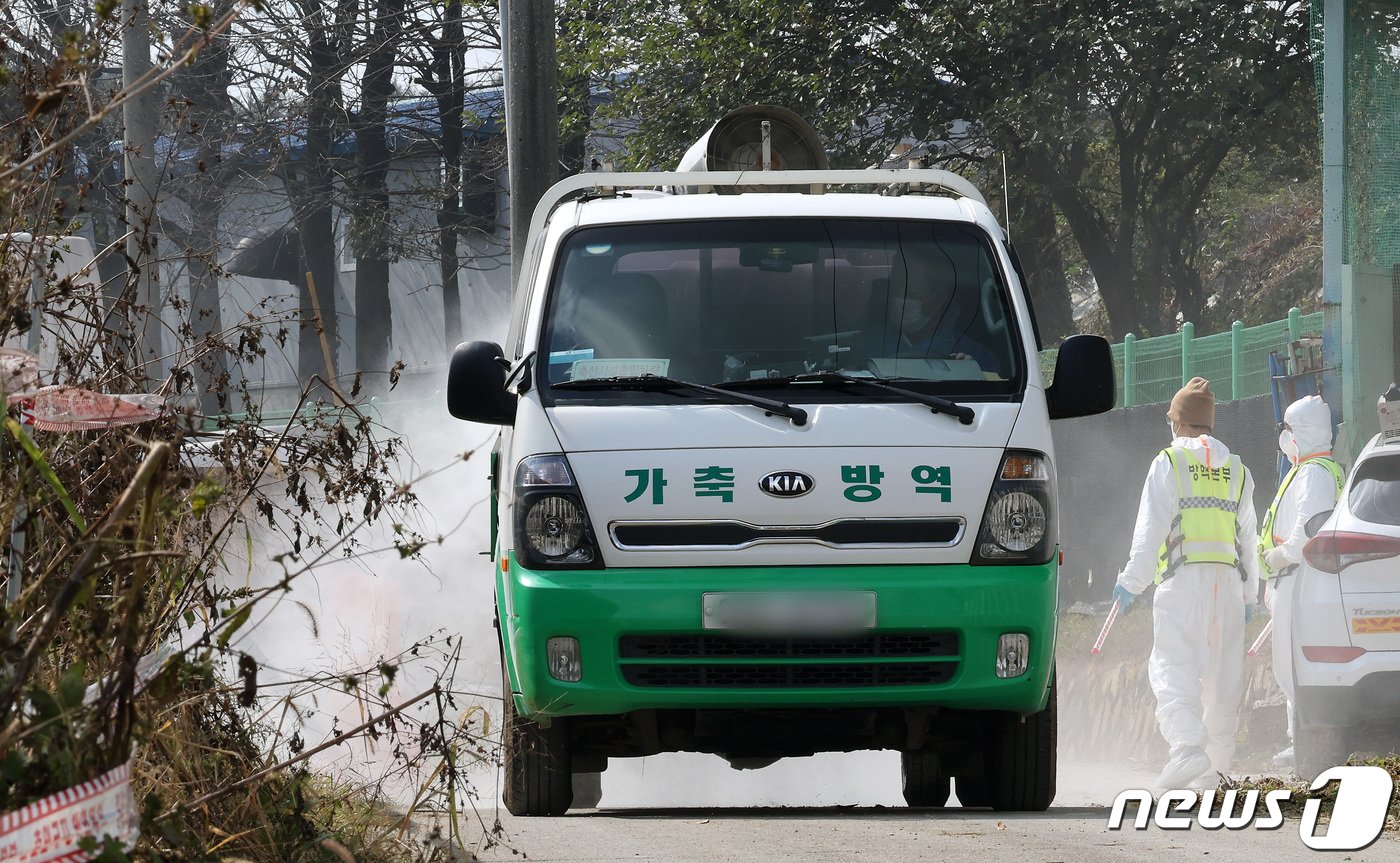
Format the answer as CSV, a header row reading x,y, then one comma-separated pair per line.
x,y
1193,405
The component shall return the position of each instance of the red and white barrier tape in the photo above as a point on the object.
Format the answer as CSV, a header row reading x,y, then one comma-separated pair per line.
x,y
49,830
62,408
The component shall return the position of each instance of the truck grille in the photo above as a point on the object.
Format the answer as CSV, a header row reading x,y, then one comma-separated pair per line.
x,y
808,672
842,533
875,646
792,676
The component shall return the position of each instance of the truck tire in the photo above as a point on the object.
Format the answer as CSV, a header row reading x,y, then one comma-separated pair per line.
x,y
972,791
1020,759
1318,747
925,784
588,790
535,761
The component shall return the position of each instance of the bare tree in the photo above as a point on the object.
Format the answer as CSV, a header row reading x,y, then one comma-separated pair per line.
x,y
140,118
370,222
469,164
328,38
202,91
448,85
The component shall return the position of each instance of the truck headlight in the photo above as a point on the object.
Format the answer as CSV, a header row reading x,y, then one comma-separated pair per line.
x,y
552,530
553,526
1018,524
1016,521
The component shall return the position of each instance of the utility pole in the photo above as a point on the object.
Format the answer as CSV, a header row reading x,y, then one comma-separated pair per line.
x,y
532,113
532,148
139,117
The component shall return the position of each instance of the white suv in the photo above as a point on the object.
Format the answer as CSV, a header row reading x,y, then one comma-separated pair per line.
x,y
1346,624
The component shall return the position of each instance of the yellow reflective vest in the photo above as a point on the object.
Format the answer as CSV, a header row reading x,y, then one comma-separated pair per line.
x,y
1208,504
1267,538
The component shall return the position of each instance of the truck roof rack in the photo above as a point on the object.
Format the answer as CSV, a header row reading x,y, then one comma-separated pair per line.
x,y
608,184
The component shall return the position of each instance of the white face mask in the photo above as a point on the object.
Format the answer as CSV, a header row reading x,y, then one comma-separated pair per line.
x,y
1171,429
911,317
1288,444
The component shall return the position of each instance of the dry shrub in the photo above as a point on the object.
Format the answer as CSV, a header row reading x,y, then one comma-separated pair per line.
x,y
116,640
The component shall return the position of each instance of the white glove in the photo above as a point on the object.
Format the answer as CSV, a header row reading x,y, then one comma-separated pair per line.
x,y
1276,559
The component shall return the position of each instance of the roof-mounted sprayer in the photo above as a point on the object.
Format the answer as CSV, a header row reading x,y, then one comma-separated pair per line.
x,y
757,138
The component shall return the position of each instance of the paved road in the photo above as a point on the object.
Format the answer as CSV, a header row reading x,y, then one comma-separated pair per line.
x,y
703,831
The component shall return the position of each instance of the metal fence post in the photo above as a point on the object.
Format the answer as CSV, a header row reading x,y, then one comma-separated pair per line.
x,y
1295,324
1129,369
1188,332
1236,349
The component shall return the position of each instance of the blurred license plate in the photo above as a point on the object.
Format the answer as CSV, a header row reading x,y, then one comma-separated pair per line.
x,y
802,611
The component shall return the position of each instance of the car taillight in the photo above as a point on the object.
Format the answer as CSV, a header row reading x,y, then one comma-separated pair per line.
x,y
1331,654
1335,550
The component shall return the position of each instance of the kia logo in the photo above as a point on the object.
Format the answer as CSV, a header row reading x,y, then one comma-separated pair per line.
x,y
786,483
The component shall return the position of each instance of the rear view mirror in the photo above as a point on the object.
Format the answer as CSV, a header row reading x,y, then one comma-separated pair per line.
x,y
1084,383
476,385
777,257
1316,522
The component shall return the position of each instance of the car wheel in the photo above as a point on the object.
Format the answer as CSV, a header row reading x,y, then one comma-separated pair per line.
x,y
924,783
588,790
972,791
535,761
1318,747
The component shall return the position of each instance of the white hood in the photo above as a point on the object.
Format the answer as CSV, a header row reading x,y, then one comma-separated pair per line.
x,y
1208,450
1311,421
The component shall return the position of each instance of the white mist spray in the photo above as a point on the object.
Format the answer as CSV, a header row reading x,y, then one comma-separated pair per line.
x,y
352,613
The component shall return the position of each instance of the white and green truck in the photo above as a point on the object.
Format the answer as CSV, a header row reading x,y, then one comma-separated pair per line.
x,y
775,477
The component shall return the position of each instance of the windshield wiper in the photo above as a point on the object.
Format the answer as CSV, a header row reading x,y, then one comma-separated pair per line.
x,y
938,405
657,382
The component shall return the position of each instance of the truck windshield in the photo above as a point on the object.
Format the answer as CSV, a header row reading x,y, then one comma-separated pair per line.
x,y
922,303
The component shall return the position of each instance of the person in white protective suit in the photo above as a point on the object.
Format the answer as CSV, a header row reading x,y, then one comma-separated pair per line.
x,y
1309,488
1195,539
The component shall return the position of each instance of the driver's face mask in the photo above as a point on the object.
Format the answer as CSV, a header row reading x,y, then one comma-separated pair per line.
x,y
911,316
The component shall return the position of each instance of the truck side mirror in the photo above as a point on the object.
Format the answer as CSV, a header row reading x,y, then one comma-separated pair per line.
x,y
1084,383
1315,523
476,385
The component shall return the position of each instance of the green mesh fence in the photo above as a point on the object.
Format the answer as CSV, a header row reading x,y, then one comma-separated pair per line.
x,y
1372,133
1236,363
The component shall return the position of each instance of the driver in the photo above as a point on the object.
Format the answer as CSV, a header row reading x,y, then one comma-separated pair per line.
x,y
925,320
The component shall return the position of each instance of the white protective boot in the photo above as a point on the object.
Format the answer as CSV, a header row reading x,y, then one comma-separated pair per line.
x,y
1185,767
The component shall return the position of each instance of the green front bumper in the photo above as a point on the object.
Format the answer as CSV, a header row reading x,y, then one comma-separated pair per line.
x,y
598,607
